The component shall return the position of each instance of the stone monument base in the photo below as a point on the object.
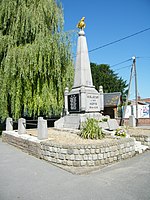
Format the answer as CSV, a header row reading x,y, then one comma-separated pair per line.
x,y
73,121
84,99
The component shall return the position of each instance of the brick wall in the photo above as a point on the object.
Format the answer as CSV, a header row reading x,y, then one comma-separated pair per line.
x,y
141,121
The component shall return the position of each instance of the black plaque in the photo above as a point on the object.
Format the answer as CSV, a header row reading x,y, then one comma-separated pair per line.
x,y
73,103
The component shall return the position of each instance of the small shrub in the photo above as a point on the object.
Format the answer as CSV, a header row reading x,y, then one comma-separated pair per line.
x,y
104,119
121,132
90,129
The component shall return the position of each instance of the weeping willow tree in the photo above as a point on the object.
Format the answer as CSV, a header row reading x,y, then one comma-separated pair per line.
x,y
35,58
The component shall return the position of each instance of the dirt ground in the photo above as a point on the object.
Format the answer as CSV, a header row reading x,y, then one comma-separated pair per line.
x,y
68,137
72,137
138,131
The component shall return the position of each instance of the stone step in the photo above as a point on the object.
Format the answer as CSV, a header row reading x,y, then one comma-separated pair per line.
x,y
139,148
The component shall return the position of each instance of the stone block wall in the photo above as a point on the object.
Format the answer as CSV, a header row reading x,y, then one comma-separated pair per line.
x,y
73,155
88,155
144,139
26,143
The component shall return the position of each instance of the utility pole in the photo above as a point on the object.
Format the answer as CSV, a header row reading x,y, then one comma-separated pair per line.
x,y
133,69
125,107
136,90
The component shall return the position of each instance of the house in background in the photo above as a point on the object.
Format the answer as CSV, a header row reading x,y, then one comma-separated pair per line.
x,y
113,107
146,100
112,102
143,108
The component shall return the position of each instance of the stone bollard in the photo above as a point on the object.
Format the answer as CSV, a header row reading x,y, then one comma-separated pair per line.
x,y
42,129
9,124
39,119
22,126
132,121
101,97
66,100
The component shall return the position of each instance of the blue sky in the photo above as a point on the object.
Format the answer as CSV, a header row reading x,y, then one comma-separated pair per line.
x,y
108,21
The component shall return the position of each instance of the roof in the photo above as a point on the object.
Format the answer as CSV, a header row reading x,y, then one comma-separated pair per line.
x,y
147,100
142,103
112,99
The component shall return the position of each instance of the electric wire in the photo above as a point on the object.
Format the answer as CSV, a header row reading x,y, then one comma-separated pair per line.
x,y
122,68
137,57
119,40
145,57
121,62
116,41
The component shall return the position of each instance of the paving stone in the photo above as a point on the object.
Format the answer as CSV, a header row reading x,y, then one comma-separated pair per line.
x,y
87,151
94,157
69,163
85,157
63,151
72,157
92,151
90,163
83,163
76,151
90,157
100,156
78,157
76,163
61,157
111,160
97,151
70,151
82,151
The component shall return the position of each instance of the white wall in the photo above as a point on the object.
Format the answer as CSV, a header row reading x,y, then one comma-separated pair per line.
x,y
143,111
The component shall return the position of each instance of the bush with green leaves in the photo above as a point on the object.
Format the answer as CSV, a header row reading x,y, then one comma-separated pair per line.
x,y
90,129
103,120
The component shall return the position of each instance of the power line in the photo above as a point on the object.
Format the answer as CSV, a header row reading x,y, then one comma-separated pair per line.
x,y
137,57
145,57
122,68
121,62
124,38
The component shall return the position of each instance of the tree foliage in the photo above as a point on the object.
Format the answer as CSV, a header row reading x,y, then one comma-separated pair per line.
x,y
35,58
111,82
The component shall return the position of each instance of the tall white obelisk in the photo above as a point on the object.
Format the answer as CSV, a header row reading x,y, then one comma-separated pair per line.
x,y
83,75
83,100
83,92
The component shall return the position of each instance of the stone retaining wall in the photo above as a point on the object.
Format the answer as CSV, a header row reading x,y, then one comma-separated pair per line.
x,y
88,155
144,139
73,155
26,143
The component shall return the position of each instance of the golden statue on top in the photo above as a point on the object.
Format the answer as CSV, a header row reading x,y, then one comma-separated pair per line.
x,y
81,24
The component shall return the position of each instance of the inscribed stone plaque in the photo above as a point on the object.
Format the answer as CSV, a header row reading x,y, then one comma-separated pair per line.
x,y
73,103
93,103
113,124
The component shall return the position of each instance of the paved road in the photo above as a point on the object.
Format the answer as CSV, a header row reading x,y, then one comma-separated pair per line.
x,y
24,177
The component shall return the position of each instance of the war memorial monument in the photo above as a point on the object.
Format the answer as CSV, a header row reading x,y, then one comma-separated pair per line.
x,y
83,101
69,151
